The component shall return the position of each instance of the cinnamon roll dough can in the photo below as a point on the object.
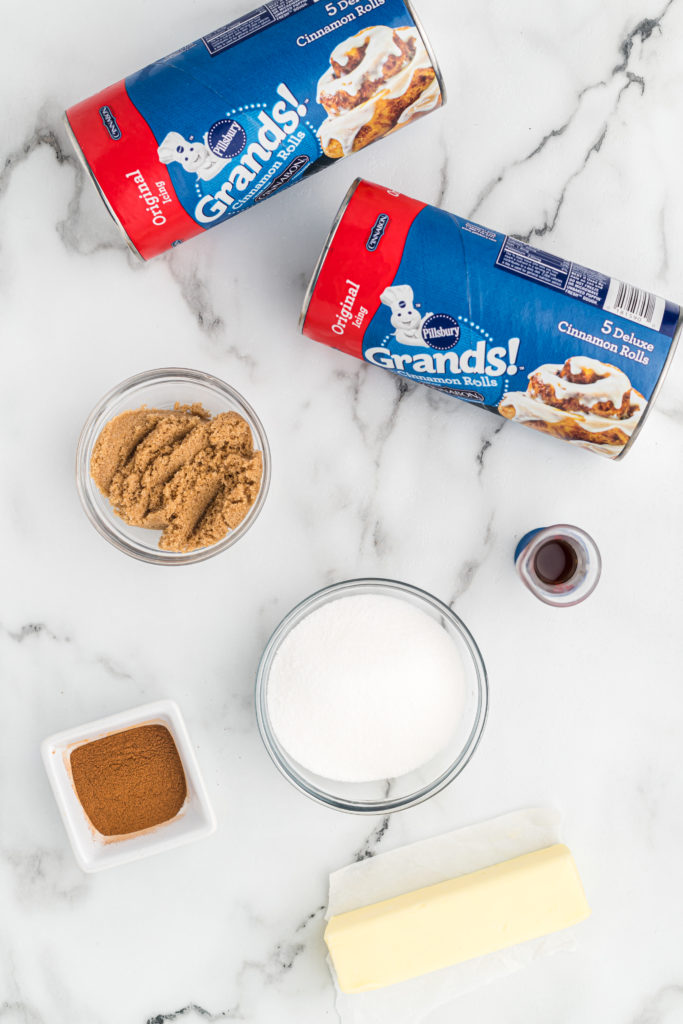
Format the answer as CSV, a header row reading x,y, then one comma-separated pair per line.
x,y
242,113
535,338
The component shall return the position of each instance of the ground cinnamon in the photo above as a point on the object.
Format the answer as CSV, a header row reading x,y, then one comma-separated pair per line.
x,y
130,780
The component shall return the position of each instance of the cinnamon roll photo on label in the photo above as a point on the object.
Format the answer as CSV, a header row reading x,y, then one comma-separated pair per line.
x,y
379,79
533,337
239,115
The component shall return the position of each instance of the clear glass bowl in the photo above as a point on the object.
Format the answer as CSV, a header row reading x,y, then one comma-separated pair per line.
x,y
389,795
161,389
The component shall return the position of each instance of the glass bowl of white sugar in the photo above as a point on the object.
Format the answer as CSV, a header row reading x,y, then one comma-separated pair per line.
x,y
371,696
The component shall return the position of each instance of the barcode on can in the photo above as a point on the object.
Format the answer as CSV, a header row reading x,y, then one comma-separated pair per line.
x,y
636,304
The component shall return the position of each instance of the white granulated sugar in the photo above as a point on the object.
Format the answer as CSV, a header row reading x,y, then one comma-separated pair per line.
x,y
366,688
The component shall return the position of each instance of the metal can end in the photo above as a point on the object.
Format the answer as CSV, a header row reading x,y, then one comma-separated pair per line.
x,y
430,51
88,170
326,248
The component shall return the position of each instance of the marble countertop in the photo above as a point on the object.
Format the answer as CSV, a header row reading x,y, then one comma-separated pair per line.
x,y
563,126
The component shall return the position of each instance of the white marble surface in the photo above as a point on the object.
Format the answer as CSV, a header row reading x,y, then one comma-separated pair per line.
x,y
564,124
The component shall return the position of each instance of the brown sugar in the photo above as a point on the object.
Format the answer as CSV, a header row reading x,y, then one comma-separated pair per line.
x,y
130,780
180,471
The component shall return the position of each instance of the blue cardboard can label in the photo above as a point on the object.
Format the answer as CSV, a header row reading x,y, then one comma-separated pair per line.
x,y
487,318
249,109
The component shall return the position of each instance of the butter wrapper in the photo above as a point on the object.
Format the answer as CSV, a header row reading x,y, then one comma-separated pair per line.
x,y
428,863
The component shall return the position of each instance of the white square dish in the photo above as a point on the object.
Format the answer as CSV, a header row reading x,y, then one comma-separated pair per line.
x,y
95,852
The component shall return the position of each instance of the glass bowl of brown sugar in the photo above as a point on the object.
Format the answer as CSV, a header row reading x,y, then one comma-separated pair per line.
x,y
128,786
173,466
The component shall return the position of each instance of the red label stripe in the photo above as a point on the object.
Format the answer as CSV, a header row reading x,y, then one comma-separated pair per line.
x,y
121,151
362,260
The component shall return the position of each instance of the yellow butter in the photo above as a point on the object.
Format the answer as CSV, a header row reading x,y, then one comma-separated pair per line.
x,y
466,917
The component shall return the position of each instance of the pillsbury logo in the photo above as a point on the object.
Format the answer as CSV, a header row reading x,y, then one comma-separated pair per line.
x,y
109,122
377,233
441,331
226,138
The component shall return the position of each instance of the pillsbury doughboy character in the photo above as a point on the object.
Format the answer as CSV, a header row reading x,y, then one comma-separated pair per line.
x,y
405,318
192,156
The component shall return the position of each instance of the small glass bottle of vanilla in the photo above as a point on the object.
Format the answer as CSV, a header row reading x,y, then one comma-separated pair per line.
x,y
560,565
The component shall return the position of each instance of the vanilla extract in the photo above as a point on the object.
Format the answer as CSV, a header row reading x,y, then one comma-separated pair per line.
x,y
560,565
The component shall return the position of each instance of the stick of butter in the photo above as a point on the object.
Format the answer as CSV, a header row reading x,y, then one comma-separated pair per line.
x,y
442,925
